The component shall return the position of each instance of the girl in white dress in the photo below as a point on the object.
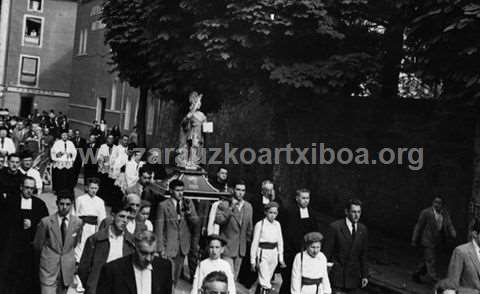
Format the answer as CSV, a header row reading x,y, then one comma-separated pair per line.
x,y
309,270
267,247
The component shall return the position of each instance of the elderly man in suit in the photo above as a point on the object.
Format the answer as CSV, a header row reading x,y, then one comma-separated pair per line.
x,y
299,220
235,220
138,273
433,226
176,218
346,247
133,227
464,268
104,246
55,240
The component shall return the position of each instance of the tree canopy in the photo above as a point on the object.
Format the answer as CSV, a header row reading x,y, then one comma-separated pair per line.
x,y
314,47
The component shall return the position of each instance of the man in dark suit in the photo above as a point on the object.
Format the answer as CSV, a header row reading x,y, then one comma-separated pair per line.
x,y
11,178
138,273
298,220
18,266
106,245
346,247
90,167
55,241
235,220
464,268
81,144
433,226
175,219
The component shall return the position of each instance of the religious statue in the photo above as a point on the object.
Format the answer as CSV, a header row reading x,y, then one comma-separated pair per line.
x,y
190,147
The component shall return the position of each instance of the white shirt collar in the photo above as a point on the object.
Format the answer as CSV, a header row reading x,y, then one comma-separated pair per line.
x,y
149,267
26,203
111,235
304,212
349,224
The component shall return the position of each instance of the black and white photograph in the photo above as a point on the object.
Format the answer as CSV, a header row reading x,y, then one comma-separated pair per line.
x,y
239,147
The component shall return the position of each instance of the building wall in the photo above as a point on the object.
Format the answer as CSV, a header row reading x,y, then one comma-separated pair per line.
x,y
92,77
55,53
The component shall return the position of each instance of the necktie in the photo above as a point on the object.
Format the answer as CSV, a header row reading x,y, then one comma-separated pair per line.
x,y
179,211
63,229
354,232
3,142
65,146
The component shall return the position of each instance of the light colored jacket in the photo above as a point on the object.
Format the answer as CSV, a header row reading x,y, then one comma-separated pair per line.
x,y
55,256
236,228
174,234
464,268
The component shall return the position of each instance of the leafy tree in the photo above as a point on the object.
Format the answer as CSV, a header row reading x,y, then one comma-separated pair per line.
x,y
445,46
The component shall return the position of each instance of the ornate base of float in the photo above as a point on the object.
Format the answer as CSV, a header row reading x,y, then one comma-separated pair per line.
x,y
196,185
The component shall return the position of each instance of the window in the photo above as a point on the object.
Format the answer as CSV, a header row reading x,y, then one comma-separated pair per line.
x,y
115,86
100,113
150,115
29,70
127,114
35,5
82,44
32,31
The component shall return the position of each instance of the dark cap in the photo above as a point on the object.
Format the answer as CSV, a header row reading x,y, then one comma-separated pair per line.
x,y
312,237
216,237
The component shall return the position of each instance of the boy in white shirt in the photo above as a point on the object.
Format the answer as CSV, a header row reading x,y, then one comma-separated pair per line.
x,y
91,209
214,262
267,248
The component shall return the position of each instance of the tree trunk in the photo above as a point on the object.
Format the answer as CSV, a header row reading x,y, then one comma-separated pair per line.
x,y
475,201
141,117
393,50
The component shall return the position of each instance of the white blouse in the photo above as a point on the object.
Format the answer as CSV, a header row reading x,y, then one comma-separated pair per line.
x,y
207,266
313,268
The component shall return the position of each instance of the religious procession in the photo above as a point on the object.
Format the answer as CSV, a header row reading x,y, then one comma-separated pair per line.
x,y
239,147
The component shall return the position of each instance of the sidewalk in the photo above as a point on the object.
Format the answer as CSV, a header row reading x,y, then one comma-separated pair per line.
x,y
392,263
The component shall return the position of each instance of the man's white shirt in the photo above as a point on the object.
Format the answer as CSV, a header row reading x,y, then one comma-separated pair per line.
x,y
143,279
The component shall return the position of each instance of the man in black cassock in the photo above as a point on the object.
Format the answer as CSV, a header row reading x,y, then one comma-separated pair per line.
x,y
19,265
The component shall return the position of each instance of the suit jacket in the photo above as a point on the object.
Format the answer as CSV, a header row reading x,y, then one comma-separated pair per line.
x,y
259,207
16,242
464,268
55,256
118,277
94,256
294,229
154,194
349,256
426,230
236,228
174,235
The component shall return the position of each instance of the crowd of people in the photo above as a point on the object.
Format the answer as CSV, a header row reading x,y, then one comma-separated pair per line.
x,y
125,235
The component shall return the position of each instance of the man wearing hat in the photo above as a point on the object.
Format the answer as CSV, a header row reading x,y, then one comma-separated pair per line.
x,y
63,153
214,262
309,271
